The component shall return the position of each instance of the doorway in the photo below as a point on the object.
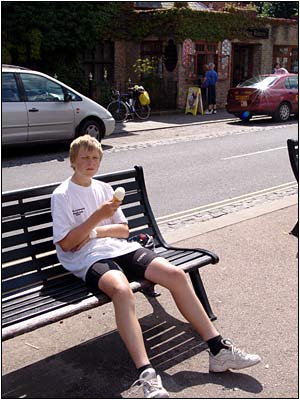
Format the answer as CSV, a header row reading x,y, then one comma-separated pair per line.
x,y
242,63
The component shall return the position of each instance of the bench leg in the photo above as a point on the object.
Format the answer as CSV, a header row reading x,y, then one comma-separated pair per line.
x,y
201,293
295,230
150,292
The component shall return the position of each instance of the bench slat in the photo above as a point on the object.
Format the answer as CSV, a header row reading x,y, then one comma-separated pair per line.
x,y
47,260
27,237
75,295
45,308
134,210
23,252
22,223
31,279
23,208
39,292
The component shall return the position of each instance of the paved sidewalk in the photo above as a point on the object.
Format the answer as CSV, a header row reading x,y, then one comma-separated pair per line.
x,y
161,120
253,291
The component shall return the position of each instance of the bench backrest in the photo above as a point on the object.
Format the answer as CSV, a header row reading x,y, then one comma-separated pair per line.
x,y
293,150
28,252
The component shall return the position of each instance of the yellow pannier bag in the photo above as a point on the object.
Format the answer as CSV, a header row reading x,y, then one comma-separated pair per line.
x,y
144,98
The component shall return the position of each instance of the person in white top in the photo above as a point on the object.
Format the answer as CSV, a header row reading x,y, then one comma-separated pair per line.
x,y
90,232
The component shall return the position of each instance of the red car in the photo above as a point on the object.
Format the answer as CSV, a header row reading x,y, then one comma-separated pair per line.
x,y
275,95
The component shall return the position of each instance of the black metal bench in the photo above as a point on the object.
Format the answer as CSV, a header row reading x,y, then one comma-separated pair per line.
x,y
293,150
37,290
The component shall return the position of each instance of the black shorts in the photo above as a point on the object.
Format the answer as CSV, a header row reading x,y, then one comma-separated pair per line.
x,y
133,265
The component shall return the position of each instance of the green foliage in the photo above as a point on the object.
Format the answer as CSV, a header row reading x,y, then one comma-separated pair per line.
x,y
181,4
145,66
149,78
33,32
105,93
182,23
278,9
68,70
36,30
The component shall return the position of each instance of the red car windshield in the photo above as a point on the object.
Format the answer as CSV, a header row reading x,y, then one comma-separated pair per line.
x,y
259,82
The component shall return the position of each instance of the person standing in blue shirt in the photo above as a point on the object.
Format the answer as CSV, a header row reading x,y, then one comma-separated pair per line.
x,y
211,78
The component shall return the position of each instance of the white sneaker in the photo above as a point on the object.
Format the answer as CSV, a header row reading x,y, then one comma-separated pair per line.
x,y
231,358
152,385
208,112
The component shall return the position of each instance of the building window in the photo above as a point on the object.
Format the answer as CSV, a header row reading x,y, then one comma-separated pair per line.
x,y
100,62
203,54
287,57
151,48
153,51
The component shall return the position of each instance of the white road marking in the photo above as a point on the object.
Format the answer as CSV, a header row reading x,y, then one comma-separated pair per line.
x,y
253,154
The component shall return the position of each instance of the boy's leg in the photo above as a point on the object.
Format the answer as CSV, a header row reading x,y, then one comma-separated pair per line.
x,y
115,285
164,273
223,354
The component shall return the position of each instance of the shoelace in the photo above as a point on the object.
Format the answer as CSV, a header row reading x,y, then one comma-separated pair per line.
x,y
151,384
234,350
240,352
237,351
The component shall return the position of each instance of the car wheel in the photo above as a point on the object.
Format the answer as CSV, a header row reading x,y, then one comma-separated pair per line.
x,y
91,127
282,113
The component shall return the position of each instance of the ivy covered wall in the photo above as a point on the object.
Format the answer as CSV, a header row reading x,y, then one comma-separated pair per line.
x,y
182,23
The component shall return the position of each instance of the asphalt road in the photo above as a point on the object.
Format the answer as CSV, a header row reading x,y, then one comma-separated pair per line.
x,y
193,166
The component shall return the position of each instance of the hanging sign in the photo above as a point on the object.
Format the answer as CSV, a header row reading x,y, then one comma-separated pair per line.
x,y
187,49
226,47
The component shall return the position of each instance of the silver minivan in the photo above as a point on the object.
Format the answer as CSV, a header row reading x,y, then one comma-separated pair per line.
x,y
37,108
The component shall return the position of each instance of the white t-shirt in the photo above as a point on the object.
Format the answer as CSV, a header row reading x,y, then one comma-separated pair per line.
x,y
71,205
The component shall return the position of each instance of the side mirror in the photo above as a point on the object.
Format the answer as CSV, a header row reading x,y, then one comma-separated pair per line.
x,y
67,97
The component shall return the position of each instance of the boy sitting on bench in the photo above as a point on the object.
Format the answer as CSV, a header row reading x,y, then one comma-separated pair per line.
x,y
90,232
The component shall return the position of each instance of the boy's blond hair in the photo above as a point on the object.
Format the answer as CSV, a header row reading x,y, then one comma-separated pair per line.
x,y
86,142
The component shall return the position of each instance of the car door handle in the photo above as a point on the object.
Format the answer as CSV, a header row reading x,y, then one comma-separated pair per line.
x,y
33,110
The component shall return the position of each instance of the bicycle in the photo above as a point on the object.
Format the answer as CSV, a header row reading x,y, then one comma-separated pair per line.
x,y
127,104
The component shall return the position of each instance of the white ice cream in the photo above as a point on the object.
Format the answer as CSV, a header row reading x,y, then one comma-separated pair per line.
x,y
119,193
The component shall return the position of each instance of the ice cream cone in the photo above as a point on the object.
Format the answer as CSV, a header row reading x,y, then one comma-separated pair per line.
x,y
119,194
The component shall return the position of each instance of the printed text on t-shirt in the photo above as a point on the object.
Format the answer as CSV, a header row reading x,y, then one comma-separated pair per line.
x,y
78,212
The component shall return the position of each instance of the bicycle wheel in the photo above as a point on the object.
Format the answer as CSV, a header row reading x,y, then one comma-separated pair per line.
x,y
142,112
118,110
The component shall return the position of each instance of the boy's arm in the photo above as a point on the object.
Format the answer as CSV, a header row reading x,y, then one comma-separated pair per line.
x,y
120,231
80,235
113,230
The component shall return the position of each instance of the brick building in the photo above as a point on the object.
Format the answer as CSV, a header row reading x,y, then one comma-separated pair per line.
x,y
180,61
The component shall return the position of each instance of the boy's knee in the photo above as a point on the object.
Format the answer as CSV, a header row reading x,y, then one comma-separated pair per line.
x,y
121,291
177,275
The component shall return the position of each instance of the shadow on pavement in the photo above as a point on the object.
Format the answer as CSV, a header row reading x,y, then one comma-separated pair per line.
x,y
18,156
229,380
262,122
101,367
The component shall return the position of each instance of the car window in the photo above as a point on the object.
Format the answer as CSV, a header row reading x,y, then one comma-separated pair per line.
x,y
291,82
39,88
259,82
74,96
10,91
